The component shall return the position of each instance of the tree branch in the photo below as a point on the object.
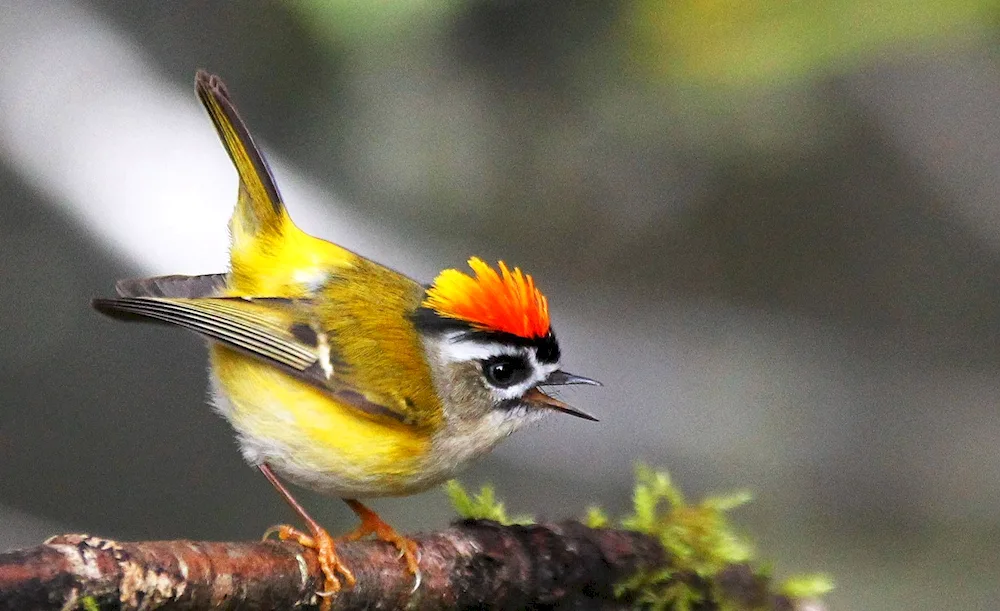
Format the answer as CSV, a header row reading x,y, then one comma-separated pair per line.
x,y
472,564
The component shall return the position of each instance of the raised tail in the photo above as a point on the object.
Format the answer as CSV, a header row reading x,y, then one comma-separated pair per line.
x,y
259,212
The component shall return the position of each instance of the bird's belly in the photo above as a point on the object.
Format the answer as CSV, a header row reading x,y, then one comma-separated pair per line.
x,y
310,438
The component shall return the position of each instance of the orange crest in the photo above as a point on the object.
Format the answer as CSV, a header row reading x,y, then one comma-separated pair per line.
x,y
507,302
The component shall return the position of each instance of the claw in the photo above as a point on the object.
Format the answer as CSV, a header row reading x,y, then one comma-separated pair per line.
x,y
409,551
323,543
274,530
326,554
416,552
417,577
319,540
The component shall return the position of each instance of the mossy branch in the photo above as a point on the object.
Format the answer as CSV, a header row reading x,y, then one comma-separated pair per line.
x,y
702,548
473,564
672,555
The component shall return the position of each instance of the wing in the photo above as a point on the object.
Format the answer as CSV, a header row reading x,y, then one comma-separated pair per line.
x,y
281,332
211,285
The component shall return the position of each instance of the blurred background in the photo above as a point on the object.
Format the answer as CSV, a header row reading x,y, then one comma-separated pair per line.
x,y
770,228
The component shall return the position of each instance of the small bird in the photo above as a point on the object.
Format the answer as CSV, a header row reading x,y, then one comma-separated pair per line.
x,y
341,375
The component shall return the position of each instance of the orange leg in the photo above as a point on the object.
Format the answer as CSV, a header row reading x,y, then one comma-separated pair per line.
x,y
318,539
372,524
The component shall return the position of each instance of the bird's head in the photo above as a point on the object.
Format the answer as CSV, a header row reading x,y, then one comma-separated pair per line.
x,y
490,346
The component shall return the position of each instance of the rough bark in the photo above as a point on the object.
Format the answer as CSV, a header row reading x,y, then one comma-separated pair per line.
x,y
472,564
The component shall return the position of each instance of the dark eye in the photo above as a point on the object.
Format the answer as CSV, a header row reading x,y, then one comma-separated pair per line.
x,y
505,371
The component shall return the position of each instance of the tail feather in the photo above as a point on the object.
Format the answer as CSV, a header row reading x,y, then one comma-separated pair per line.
x,y
260,209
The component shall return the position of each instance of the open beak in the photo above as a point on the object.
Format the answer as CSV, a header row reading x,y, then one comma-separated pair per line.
x,y
543,400
561,378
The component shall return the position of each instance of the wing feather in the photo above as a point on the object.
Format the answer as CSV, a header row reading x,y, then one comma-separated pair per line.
x,y
210,285
270,329
247,328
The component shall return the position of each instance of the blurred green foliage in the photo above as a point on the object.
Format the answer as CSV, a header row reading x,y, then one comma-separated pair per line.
x,y
359,21
714,43
720,43
725,78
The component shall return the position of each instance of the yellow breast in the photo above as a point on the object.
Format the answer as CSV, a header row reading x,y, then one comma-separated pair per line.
x,y
311,438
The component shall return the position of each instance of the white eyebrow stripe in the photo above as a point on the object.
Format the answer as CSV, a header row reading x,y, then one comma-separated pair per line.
x,y
455,352
456,348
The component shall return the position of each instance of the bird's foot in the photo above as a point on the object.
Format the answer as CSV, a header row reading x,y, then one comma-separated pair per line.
x,y
372,524
326,554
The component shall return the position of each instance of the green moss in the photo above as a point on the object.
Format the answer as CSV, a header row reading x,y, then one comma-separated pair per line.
x,y
701,542
806,586
698,537
482,506
596,518
89,603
